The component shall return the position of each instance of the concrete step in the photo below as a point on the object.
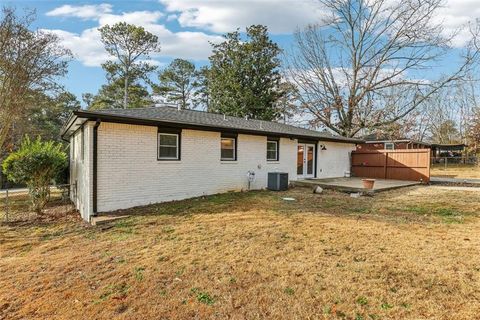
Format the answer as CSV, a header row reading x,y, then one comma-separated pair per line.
x,y
105,219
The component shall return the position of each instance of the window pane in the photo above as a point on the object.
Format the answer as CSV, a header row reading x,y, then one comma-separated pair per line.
x,y
300,158
228,143
168,152
272,150
168,140
309,160
271,155
389,146
227,154
271,146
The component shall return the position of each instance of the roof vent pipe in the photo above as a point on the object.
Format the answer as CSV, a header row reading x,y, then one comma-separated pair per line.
x,y
224,117
178,107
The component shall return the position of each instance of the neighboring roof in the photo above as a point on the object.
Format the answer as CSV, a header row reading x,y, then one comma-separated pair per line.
x,y
449,147
378,138
169,116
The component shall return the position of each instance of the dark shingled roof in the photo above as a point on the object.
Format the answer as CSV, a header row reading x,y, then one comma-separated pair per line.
x,y
199,119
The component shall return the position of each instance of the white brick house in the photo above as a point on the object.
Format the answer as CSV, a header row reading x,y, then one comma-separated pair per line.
x,y
125,158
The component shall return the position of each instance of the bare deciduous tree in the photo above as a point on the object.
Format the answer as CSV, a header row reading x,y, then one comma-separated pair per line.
x,y
30,61
364,66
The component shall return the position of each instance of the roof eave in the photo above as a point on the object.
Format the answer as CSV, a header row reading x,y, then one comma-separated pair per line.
x,y
151,122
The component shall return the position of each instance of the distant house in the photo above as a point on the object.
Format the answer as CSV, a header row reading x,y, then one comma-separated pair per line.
x,y
379,142
131,157
453,153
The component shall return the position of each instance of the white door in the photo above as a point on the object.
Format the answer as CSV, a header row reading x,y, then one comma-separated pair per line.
x,y
305,160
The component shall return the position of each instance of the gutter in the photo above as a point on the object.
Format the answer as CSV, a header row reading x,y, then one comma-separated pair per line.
x,y
95,166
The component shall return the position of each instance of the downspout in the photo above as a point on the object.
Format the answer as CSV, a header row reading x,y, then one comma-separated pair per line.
x,y
95,165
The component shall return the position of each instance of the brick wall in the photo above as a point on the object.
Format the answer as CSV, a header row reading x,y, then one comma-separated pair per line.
x,y
81,170
334,161
129,173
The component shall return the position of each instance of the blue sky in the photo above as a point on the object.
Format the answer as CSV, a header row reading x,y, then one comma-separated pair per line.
x,y
185,27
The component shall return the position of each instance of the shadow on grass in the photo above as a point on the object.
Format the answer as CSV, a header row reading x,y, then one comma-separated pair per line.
x,y
211,204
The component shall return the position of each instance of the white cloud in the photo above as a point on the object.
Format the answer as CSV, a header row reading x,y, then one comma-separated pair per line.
x,y
219,16
284,16
142,18
83,12
456,15
88,48
85,46
281,16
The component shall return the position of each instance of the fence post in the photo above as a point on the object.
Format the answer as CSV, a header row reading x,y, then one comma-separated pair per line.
x,y
385,166
6,206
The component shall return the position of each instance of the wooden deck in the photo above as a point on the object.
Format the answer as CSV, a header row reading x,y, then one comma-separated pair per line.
x,y
354,184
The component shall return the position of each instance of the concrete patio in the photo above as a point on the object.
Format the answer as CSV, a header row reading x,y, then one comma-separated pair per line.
x,y
354,184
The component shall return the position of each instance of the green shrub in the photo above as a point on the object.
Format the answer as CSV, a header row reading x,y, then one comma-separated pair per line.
x,y
36,163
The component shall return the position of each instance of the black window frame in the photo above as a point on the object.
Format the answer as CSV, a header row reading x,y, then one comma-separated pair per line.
x,y
277,142
170,131
235,145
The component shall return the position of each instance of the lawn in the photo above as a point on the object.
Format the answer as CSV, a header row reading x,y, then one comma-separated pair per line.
x,y
406,254
461,171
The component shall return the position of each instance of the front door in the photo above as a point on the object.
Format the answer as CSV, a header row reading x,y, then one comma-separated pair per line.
x,y
305,160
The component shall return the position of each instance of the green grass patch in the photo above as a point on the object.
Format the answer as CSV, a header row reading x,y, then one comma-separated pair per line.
x,y
416,209
446,212
118,291
386,306
363,301
289,291
203,297
138,273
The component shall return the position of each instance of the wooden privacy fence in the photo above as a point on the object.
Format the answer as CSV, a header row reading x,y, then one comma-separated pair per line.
x,y
411,164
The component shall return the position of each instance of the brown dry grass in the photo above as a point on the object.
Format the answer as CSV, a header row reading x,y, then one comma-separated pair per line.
x,y
406,254
461,171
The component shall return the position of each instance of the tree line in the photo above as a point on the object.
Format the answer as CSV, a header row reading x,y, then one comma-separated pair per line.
x,y
242,79
359,70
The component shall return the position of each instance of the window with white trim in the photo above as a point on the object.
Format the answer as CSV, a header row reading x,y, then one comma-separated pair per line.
x,y
168,146
272,150
228,149
389,146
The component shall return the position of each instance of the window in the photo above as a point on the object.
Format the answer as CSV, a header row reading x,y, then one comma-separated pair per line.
x,y
228,147
168,146
272,150
389,146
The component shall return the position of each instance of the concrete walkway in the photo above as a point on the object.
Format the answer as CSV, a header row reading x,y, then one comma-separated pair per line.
x,y
455,188
435,180
13,191
354,184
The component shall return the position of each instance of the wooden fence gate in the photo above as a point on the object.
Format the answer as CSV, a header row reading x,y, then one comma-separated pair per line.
x,y
408,164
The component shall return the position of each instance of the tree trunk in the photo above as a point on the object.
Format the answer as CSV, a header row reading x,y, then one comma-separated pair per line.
x,y
125,93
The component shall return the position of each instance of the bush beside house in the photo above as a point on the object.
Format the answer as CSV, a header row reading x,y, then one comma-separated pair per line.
x,y
37,164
